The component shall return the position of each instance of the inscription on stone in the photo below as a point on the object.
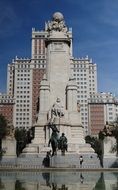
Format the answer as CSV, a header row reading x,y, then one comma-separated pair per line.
x,y
58,46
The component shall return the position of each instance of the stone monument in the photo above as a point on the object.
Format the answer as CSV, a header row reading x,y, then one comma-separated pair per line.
x,y
9,144
58,96
110,158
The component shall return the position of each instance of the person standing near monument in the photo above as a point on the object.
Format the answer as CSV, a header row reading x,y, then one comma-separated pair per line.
x,y
46,160
81,161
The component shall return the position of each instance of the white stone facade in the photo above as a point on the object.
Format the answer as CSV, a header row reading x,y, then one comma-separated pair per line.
x,y
6,99
23,93
110,103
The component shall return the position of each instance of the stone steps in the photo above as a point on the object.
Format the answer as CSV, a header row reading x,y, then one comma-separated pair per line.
x,y
70,160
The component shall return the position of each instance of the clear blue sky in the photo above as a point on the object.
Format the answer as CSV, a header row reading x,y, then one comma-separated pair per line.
x,y
95,33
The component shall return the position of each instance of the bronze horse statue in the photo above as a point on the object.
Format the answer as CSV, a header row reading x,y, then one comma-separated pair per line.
x,y
54,139
56,142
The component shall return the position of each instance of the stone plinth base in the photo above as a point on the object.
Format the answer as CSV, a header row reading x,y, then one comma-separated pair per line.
x,y
110,160
109,143
9,148
43,148
69,160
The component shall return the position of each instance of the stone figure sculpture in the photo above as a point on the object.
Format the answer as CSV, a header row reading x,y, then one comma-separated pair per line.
x,y
57,110
10,131
9,143
57,23
78,107
62,144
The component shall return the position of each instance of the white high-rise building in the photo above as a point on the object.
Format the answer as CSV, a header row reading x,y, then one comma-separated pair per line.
x,y
103,107
23,83
20,85
85,73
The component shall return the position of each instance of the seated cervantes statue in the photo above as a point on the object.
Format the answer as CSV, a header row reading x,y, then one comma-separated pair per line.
x,y
57,110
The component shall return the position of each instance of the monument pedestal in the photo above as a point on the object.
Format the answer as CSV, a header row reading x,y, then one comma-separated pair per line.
x,y
9,147
69,160
110,159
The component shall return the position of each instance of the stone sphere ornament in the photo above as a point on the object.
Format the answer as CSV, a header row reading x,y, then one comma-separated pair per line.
x,y
58,16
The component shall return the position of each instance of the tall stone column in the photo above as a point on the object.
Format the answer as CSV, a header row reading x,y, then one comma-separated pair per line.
x,y
44,95
58,60
40,132
44,103
76,129
72,96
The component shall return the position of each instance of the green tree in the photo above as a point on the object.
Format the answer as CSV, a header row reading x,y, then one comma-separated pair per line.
x,y
97,145
1,185
3,127
23,137
3,132
18,185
